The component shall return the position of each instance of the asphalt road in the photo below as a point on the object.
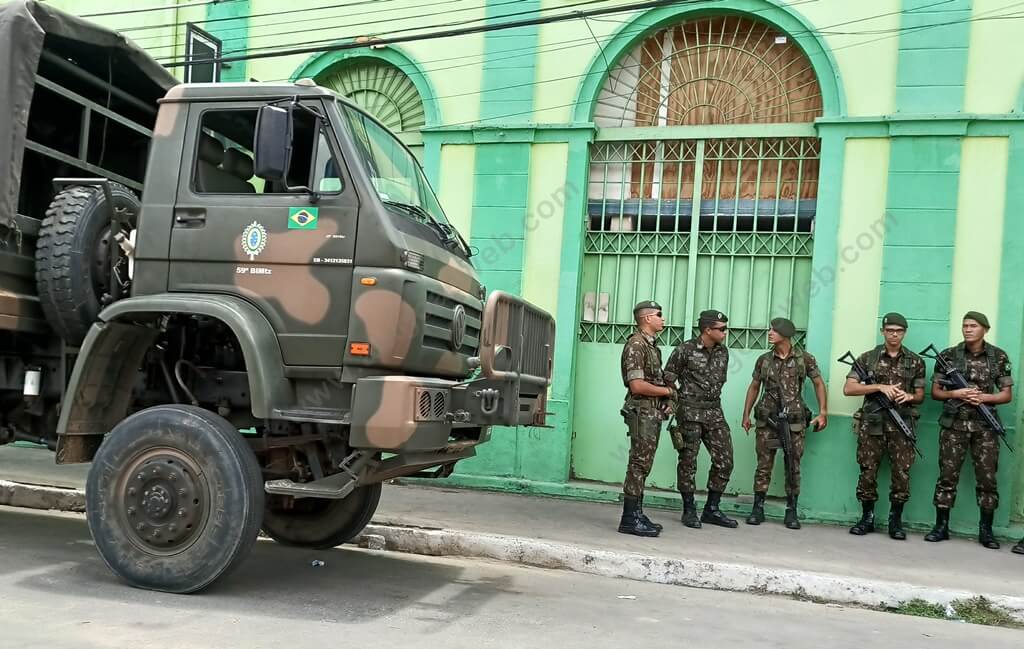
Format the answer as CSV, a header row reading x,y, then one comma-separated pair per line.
x,y
55,593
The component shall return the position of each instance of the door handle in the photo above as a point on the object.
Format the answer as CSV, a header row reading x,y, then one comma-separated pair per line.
x,y
190,217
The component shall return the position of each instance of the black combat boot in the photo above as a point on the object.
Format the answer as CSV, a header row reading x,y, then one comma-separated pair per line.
x,y
791,521
941,530
866,524
631,523
985,535
644,518
896,522
757,511
713,515
1019,548
689,517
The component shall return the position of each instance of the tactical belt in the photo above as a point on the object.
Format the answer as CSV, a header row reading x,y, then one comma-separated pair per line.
x,y
693,403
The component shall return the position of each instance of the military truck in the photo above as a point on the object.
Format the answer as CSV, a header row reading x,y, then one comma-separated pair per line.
x,y
242,303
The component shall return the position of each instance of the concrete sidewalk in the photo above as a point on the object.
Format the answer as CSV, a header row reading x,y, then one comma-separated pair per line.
x,y
818,561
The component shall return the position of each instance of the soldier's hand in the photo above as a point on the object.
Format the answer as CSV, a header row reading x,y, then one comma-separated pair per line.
x,y
746,425
902,397
965,394
976,399
819,423
891,391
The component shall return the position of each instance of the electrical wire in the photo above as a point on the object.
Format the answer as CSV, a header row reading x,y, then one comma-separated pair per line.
x,y
162,8
389,19
543,20
265,14
457,23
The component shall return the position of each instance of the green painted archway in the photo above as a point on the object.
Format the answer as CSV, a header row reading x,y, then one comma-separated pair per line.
x,y
779,16
318,64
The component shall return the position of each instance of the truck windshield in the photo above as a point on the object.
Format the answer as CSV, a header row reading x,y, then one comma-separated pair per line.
x,y
394,172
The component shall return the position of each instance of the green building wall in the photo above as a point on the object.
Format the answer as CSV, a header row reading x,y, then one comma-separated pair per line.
x,y
922,157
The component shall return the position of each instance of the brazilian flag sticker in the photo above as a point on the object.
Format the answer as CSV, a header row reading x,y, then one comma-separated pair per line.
x,y
303,218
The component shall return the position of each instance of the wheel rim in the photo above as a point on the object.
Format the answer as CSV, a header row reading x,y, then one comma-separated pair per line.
x,y
163,500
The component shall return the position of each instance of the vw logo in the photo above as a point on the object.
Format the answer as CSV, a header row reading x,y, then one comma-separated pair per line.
x,y
458,327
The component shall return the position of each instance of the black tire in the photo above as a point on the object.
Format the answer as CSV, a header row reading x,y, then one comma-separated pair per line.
x,y
320,523
174,499
73,256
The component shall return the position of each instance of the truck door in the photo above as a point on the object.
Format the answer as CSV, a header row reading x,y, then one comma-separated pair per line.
x,y
288,253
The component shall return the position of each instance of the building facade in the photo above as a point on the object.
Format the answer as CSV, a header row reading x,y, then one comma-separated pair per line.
x,y
824,161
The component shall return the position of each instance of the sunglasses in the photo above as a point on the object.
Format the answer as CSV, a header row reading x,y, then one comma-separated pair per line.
x,y
722,328
658,314
893,332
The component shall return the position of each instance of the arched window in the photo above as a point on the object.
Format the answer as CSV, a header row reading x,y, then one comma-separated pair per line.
x,y
720,70
722,219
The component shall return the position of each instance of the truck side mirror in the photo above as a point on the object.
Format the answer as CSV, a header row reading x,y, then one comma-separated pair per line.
x,y
273,150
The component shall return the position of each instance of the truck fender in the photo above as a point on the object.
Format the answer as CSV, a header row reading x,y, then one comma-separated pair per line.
x,y
100,386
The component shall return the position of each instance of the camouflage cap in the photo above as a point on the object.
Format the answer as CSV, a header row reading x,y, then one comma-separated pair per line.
x,y
784,327
895,319
646,304
712,315
978,317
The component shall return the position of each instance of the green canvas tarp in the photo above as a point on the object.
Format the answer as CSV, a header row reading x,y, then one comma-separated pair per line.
x,y
27,29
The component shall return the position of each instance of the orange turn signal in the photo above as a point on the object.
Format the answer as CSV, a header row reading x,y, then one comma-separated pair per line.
x,y
359,349
368,281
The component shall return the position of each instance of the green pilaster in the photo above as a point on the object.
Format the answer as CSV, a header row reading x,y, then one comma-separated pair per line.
x,y
917,266
507,92
1011,321
234,34
932,71
500,193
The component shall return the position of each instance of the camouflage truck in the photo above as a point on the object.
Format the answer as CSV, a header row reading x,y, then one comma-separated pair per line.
x,y
241,303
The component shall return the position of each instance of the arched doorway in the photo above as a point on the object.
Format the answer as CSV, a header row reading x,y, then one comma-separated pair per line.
x,y
702,193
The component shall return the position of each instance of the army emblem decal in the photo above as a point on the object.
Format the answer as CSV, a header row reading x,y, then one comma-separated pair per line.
x,y
303,218
254,239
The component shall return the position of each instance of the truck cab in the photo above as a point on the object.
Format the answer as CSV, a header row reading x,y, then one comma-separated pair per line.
x,y
248,307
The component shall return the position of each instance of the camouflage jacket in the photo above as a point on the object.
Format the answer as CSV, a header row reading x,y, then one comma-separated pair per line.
x,y
782,379
905,370
641,359
988,370
700,372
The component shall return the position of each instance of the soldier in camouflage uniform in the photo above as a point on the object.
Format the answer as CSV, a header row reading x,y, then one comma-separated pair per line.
x,y
961,427
699,367
782,372
647,399
899,375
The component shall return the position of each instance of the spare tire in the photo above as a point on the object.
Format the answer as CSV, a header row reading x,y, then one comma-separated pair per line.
x,y
73,256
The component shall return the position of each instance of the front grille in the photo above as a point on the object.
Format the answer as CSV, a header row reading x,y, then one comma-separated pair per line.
x,y
527,331
431,404
437,325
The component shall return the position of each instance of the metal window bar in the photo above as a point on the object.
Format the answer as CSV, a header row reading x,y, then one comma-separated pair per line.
x,y
707,245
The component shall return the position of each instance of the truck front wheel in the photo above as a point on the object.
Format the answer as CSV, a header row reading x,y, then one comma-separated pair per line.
x,y
320,523
174,499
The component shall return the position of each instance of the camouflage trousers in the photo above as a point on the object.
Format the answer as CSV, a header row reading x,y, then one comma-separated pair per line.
x,y
643,442
870,450
953,447
766,445
718,440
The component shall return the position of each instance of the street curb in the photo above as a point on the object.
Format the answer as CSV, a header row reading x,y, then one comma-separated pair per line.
x,y
19,494
392,535
714,575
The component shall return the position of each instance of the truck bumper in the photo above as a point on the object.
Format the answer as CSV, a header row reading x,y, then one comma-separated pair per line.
x,y
407,413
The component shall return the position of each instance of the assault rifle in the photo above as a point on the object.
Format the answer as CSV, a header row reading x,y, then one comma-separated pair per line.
x,y
880,399
957,381
780,423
